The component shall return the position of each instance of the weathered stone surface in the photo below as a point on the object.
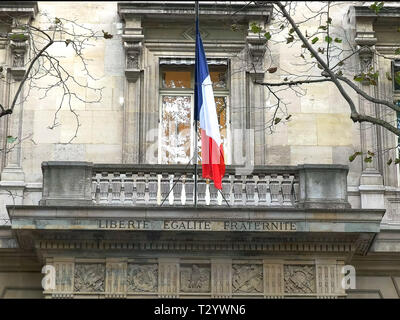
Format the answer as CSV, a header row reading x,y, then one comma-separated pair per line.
x,y
195,278
323,186
67,183
247,278
142,277
89,277
299,279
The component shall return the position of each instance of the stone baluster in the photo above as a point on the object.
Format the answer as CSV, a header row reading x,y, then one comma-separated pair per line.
x,y
146,188
296,189
153,187
128,188
189,188
250,188
287,188
183,193
177,191
275,188
116,188
213,194
237,190
201,191
95,190
262,189
226,190
165,186
104,186
140,188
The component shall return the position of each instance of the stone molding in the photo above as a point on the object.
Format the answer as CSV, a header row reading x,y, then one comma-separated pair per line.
x,y
80,183
323,186
179,10
19,12
64,181
18,8
178,277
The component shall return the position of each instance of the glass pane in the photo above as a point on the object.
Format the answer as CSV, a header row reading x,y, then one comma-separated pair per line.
x,y
398,124
220,103
175,138
218,77
176,79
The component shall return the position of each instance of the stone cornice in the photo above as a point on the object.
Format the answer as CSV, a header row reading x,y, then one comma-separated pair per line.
x,y
181,9
385,12
13,8
93,218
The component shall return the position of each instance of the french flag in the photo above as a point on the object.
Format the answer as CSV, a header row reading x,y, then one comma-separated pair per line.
x,y
212,152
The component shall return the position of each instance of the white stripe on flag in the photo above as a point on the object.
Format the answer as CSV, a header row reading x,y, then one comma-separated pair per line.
x,y
208,112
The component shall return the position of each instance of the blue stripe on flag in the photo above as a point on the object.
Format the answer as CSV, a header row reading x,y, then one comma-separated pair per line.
x,y
201,72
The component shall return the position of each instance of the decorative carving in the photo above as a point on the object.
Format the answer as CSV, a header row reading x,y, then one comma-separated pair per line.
x,y
89,277
142,278
256,47
195,278
132,61
18,59
247,278
299,278
190,34
366,55
133,50
18,46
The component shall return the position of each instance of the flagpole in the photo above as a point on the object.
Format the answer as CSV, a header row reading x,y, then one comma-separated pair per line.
x,y
195,125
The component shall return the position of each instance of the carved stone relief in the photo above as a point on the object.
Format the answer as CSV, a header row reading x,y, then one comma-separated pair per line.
x,y
299,279
142,277
190,33
18,59
218,278
247,278
132,60
195,278
89,277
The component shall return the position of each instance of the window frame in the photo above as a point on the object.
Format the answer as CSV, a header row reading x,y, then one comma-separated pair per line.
x,y
218,92
395,91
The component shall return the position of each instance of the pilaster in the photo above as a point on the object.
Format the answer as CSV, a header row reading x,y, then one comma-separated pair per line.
x,y
20,15
371,182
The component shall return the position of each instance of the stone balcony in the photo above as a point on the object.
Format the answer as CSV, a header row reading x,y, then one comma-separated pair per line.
x,y
94,209
85,183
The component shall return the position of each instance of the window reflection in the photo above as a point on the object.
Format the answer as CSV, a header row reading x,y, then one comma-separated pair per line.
x,y
218,77
175,147
177,129
176,79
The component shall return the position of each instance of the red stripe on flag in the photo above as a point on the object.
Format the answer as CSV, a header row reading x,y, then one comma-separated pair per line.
x,y
213,163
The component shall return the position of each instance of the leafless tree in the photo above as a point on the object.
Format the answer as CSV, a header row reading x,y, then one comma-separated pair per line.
x,y
46,71
326,53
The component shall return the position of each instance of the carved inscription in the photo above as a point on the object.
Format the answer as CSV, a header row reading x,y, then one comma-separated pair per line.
x,y
89,277
142,277
247,278
299,278
195,278
197,225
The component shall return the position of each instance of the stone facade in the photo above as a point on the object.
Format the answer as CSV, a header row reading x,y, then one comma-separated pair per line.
x,y
293,210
